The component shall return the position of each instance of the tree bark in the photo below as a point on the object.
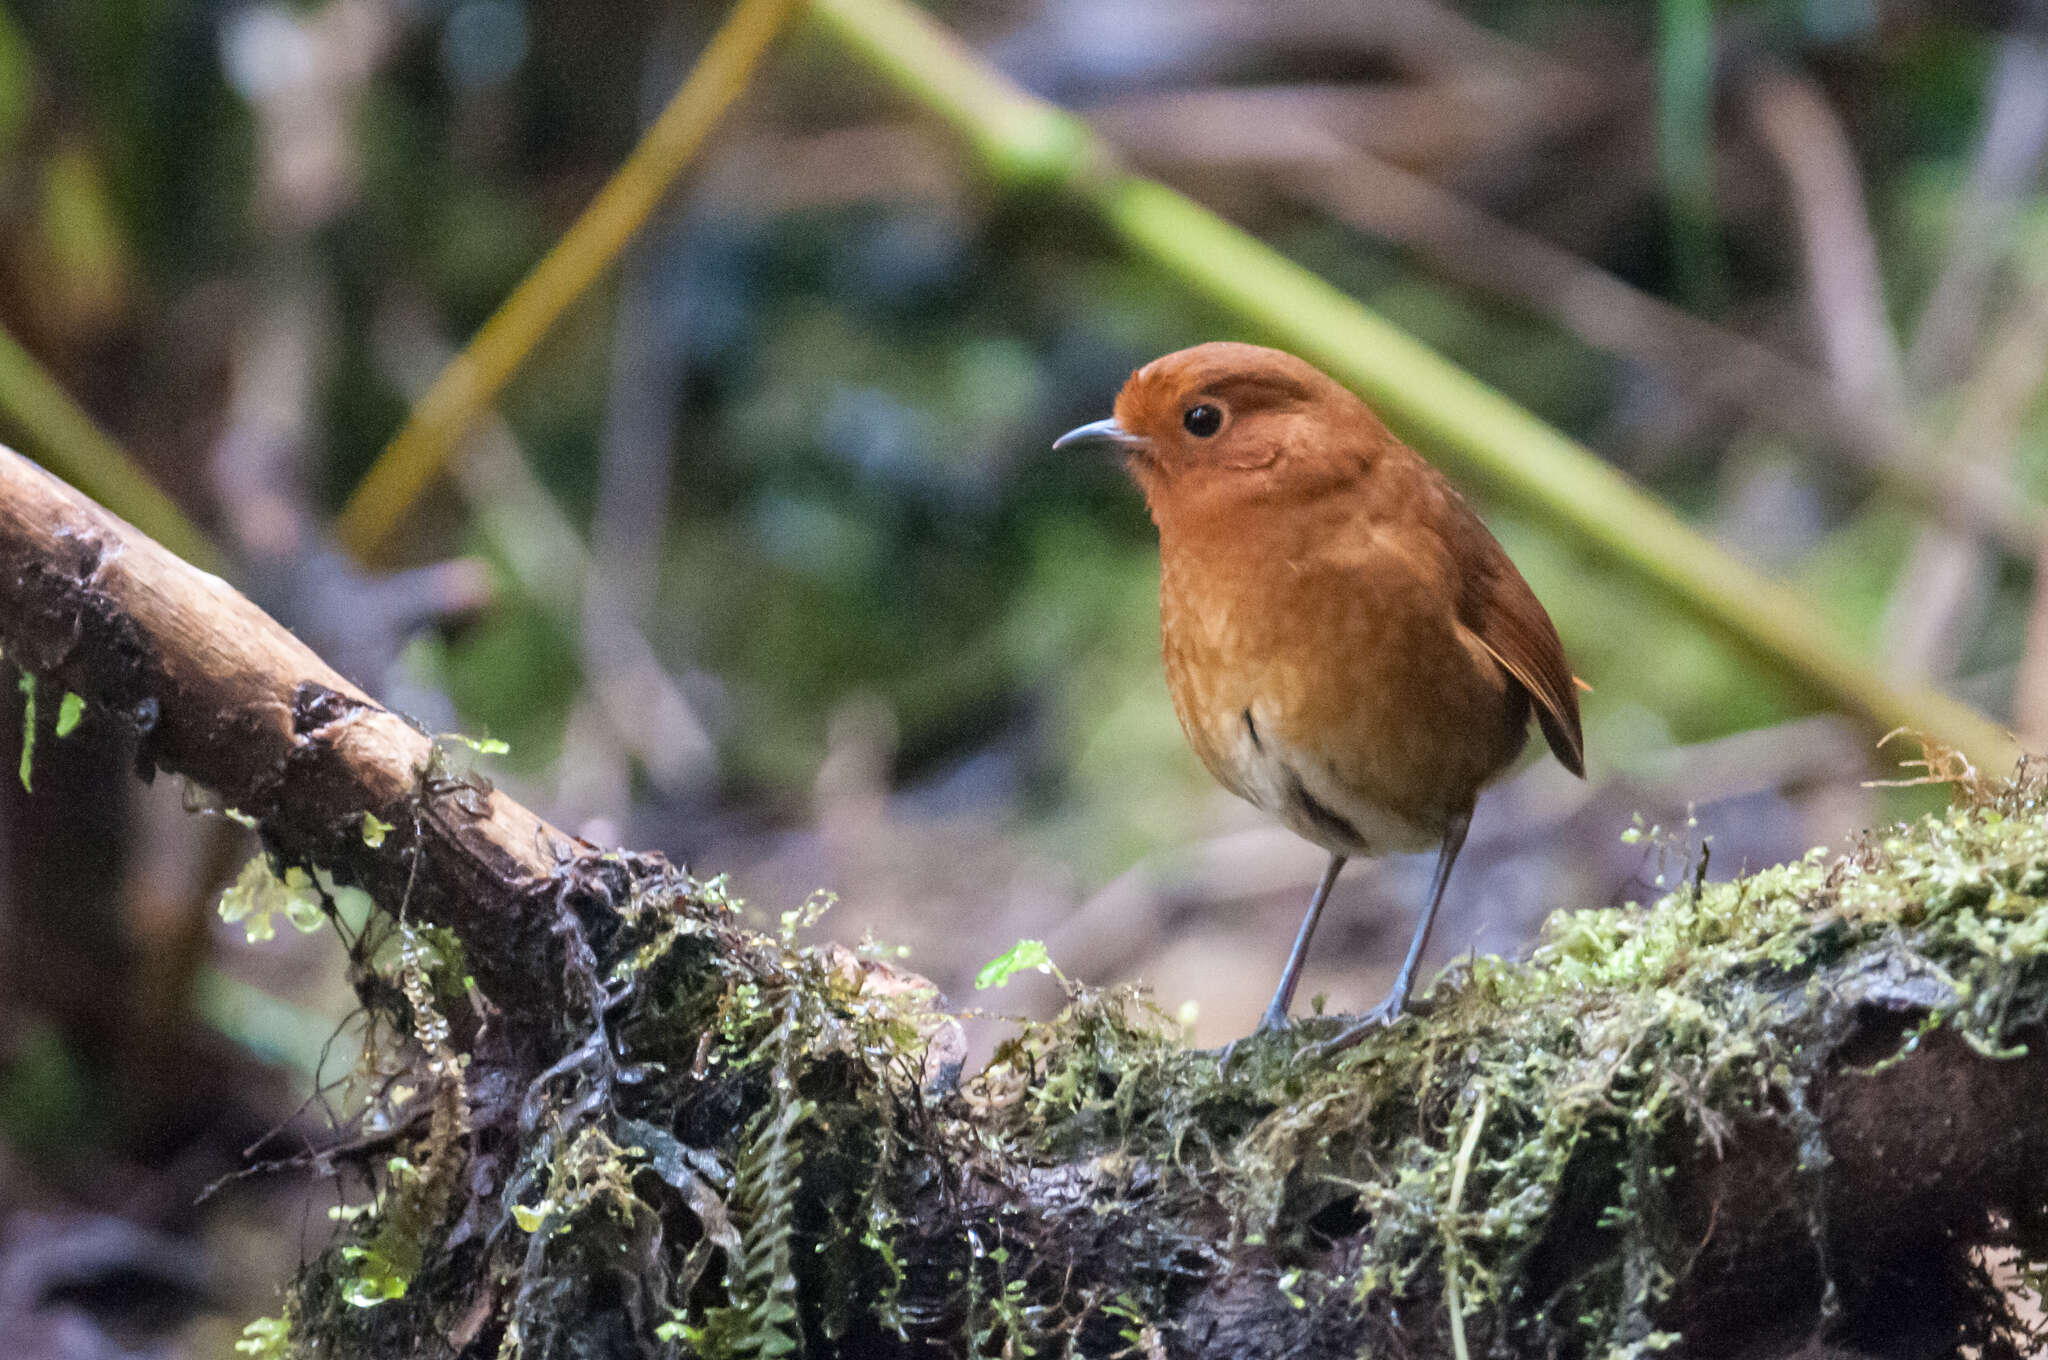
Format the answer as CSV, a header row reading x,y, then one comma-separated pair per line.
x,y
218,692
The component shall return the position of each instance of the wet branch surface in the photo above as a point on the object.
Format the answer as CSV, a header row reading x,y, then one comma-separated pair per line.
x,y
1805,1106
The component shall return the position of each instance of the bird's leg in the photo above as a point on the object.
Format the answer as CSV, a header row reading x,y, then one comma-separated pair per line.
x,y
1290,977
1283,996
1454,841
1389,1010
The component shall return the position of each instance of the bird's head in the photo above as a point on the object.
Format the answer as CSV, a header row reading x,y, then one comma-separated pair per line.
x,y
1231,419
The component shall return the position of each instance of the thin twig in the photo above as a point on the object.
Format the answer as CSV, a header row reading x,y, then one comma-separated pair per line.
x,y
1802,132
1946,577
2030,688
644,710
2007,162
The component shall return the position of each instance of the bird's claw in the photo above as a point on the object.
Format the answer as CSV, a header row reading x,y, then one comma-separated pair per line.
x,y
1228,1054
1381,1016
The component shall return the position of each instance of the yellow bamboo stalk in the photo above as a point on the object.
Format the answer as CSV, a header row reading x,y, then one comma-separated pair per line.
x,y
474,378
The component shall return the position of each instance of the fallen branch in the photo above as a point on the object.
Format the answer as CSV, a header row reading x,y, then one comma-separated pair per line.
x,y
219,693
1799,1105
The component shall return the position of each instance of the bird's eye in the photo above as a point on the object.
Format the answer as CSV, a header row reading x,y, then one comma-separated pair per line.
x,y
1202,421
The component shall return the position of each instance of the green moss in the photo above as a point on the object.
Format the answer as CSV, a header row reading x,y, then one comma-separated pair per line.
x,y
754,1138
1632,1027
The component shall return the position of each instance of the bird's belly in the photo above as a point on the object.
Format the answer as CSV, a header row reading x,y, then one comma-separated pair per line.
x,y
1359,721
1302,791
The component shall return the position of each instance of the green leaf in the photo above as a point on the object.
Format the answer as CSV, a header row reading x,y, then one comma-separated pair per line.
x,y
268,1338
378,1278
1022,955
258,895
351,904
28,728
375,829
483,746
69,713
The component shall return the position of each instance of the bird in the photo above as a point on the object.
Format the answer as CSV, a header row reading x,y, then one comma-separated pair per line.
x,y
1346,645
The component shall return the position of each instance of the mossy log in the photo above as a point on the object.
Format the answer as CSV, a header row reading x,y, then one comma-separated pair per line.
x,y
1802,1111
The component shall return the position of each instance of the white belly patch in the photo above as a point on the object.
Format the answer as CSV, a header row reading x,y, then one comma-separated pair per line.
x,y
1298,788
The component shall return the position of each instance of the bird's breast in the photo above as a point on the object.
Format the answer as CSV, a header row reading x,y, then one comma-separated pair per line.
x,y
1352,709
1253,705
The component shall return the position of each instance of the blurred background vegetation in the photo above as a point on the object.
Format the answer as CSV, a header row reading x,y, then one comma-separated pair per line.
x,y
764,560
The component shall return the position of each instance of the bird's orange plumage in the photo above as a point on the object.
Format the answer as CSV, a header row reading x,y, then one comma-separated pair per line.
x,y
1346,645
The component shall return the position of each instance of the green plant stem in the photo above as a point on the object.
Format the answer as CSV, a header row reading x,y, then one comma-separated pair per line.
x,y
1453,1291
475,377
1466,425
1685,141
57,432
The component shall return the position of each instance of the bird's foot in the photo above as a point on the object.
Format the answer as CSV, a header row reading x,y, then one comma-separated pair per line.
x,y
1377,1018
1273,1022
1381,1016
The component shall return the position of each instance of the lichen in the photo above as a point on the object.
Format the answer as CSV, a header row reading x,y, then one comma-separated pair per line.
x,y
743,1146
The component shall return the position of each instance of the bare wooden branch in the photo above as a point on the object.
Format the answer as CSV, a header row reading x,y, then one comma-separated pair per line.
x,y
220,693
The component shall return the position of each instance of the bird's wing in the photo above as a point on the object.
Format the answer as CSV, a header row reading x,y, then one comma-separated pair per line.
x,y
1505,615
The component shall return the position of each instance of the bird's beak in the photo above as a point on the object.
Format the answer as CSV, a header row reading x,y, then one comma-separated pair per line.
x,y
1102,435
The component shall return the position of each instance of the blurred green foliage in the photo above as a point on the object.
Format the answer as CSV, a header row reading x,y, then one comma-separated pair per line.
x,y
864,391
